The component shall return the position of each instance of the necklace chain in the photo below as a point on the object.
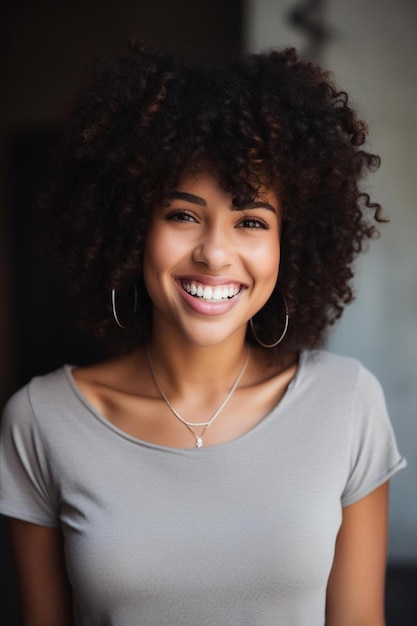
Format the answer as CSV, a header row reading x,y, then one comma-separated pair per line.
x,y
192,425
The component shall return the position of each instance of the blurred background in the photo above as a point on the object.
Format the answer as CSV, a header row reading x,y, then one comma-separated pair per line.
x,y
370,45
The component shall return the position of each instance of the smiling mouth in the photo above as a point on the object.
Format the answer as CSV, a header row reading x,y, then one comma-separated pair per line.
x,y
220,293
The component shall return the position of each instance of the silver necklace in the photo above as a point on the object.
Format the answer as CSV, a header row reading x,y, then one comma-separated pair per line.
x,y
192,425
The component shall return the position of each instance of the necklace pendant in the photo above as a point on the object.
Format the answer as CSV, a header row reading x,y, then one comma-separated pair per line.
x,y
192,425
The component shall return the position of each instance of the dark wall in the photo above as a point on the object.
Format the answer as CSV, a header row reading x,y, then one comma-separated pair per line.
x,y
44,46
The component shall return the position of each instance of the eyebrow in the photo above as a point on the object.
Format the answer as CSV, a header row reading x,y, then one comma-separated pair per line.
x,y
190,197
260,204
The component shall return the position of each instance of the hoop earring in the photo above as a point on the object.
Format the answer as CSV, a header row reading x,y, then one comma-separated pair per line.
x,y
114,308
284,332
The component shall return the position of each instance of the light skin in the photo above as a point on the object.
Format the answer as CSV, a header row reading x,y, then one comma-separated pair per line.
x,y
199,239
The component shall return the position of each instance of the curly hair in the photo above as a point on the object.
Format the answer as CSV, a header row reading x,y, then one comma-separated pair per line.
x,y
266,120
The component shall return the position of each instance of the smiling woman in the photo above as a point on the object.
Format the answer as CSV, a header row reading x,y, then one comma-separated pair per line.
x,y
219,468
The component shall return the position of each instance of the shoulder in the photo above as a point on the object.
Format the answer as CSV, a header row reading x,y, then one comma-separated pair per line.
x,y
31,432
323,360
34,399
342,386
331,382
116,375
325,368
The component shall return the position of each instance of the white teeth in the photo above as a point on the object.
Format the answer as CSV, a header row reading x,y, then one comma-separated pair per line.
x,y
211,294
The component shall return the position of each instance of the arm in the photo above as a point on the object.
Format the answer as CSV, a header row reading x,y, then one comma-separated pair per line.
x,y
43,585
355,592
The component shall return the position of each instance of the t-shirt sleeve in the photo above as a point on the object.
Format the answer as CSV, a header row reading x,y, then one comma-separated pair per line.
x,y
374,454
26,486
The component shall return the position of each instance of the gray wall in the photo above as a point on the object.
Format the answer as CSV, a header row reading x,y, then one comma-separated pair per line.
x,y
372,50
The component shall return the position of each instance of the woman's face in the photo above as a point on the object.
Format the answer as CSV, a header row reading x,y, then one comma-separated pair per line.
x,y
209,267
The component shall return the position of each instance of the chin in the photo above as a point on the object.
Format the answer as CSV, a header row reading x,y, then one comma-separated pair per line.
x,y
211,337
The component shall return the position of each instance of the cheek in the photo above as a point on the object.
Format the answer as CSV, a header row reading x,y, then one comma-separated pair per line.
x,y
157,249
266,259
162,252
152,261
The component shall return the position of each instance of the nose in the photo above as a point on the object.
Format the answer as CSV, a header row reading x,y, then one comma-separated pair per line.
x,y
215,249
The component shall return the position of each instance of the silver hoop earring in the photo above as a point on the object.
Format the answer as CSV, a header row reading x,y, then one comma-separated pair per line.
x,y
284,332
114,307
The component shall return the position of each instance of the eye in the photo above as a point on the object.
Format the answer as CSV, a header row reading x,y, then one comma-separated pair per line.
x,y
253,223
180,216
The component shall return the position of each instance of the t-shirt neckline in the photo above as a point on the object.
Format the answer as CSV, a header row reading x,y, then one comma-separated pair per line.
x,y
277,408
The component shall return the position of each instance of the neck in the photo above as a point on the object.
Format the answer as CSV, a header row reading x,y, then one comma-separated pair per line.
x,y
182,365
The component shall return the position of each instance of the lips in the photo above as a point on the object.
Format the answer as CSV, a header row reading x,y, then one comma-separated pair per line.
x,y
211,293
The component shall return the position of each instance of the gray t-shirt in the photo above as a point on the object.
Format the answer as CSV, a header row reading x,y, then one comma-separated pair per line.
x,y
241,533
